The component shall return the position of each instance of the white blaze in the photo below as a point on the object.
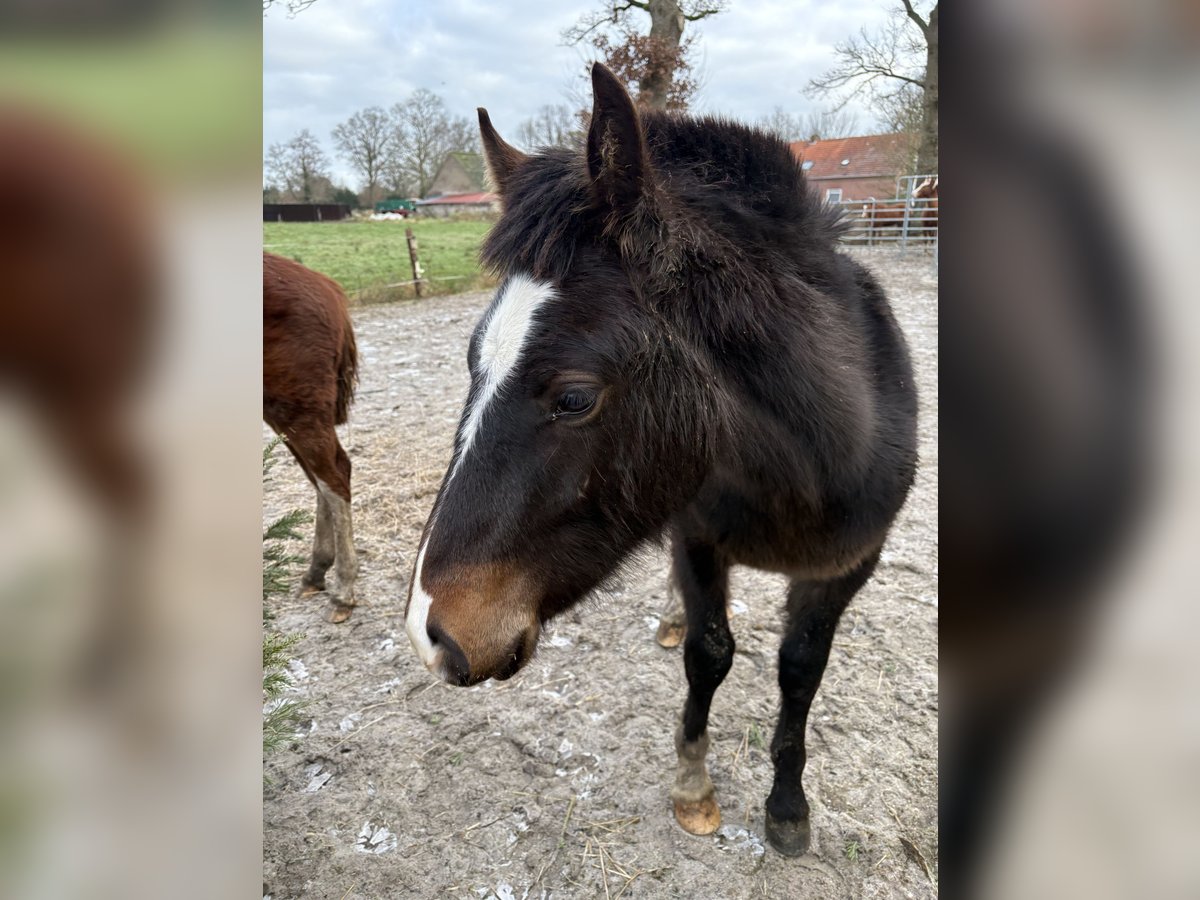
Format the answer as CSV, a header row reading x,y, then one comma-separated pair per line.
x,y
504,337
417,618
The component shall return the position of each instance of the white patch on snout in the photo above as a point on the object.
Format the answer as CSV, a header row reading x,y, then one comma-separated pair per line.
x,y
504,336
415,623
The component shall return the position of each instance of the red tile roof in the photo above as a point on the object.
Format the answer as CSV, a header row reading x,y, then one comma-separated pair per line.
x,y
457,199
870,155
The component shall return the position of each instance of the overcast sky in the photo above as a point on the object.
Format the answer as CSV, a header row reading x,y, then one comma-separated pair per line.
x,y
339,56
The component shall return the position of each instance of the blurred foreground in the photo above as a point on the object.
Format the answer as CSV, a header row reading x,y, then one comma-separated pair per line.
x,y
1070,735
129,482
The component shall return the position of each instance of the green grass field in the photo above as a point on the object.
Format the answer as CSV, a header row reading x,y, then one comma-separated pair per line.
x,y
364,256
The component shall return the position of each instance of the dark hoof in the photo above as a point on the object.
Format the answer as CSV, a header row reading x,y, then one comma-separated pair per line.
x,y
789,837
670,634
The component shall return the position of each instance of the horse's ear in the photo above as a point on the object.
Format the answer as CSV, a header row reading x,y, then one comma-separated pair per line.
x,y
616,145
502,158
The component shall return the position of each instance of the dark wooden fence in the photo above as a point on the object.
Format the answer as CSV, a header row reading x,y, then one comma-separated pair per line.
x,y
305,212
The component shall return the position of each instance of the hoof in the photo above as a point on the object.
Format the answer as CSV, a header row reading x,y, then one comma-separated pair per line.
x,y
307,589
670,634
698,816
788,837
338,612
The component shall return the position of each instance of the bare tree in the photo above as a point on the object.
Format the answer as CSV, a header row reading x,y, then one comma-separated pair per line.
x,y
423,133
365,141
889,68
298,166
553,126
292,6
815,126
462,134
783,125
828,124
656,62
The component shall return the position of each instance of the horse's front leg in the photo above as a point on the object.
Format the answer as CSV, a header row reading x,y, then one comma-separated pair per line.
x,y
702,577
813,610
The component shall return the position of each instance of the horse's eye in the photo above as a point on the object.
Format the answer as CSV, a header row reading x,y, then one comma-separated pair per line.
x,y
575,401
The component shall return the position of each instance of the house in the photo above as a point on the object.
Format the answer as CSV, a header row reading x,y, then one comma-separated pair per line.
x,y
458,189
459,173
468,204
854,168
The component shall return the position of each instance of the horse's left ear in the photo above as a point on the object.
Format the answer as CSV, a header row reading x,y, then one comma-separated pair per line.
x,y
616,146
502,158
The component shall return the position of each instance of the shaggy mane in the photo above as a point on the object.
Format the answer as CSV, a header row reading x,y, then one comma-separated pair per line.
x,y
720,193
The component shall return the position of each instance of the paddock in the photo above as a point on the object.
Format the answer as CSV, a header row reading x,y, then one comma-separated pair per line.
x,y
555,784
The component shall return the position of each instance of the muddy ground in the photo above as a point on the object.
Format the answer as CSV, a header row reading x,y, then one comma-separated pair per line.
x,y
555,784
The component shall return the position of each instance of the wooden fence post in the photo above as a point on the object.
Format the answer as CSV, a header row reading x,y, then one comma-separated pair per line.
x,y
416,263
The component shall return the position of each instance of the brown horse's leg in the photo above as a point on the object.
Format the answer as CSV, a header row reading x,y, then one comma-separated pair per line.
x,y
343,529
324,549
327,465
813,610
703,578
299,444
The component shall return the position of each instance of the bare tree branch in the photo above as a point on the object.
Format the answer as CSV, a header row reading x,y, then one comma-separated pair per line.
x,y
657,63
614,14
915,16
553,126
694,10
292,6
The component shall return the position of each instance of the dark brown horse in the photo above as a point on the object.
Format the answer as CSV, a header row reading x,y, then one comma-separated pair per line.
x,y
310,365
80,301
80,296
883,215
676,346
924,218
914,219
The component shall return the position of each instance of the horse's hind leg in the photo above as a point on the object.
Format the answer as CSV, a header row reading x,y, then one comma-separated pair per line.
x,y
324,548
327,464
672,621
703,580
347,556
813,610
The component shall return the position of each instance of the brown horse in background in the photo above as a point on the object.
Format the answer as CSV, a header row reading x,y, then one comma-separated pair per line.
x,y
890,216
310,367
926,214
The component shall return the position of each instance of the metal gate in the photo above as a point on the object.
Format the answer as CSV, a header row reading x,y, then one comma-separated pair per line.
x,y
902,221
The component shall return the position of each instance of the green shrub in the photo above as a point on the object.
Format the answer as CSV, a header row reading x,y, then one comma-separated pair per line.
x,y
281,714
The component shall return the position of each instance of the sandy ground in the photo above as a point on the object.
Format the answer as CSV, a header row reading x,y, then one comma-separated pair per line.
x,y
555,784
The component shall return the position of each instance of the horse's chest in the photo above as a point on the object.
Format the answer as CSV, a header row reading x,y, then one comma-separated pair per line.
x,y
778,531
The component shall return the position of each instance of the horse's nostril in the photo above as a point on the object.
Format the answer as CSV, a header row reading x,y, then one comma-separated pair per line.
x,y
518,655
455,668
